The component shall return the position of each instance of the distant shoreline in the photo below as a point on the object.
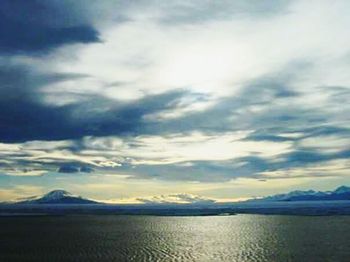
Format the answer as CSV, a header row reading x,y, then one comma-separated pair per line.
x,y
311,208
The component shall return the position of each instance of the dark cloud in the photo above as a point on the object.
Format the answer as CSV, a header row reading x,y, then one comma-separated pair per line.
x,y
68,169
38,26
305,157
24,116
86,169
74,169
325,130
267,136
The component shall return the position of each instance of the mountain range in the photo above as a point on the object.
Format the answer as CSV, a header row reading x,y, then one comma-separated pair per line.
x,y
309,202
341,193
64,197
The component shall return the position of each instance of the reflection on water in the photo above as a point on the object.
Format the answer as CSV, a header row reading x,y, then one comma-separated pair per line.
x,y
140,238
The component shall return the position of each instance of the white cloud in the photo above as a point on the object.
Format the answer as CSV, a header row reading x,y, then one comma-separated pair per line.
x,y
181,198
179,148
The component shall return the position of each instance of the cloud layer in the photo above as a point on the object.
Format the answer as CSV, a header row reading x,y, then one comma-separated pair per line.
x,y
187,91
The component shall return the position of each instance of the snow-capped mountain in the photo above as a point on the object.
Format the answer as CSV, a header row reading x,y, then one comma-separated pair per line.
x,y
57,197
341,193
342,190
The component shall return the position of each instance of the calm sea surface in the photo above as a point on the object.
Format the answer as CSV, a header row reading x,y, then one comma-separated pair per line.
x,y
146,238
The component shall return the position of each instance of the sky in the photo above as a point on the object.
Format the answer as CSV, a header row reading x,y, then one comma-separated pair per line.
x,y
138,101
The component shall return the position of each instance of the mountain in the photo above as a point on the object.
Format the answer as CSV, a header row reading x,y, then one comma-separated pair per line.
x,y
342,190
57,197
341,193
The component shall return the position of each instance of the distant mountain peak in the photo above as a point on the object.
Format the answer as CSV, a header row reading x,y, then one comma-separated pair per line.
x,y
58,196
342,189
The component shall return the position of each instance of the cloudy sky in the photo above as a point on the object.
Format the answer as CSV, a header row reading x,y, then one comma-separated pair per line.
x,y
137,100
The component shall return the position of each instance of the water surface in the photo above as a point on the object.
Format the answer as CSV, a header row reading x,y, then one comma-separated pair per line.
x,y
149,238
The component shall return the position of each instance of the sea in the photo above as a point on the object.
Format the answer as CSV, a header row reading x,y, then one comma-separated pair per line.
x,y
241,238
